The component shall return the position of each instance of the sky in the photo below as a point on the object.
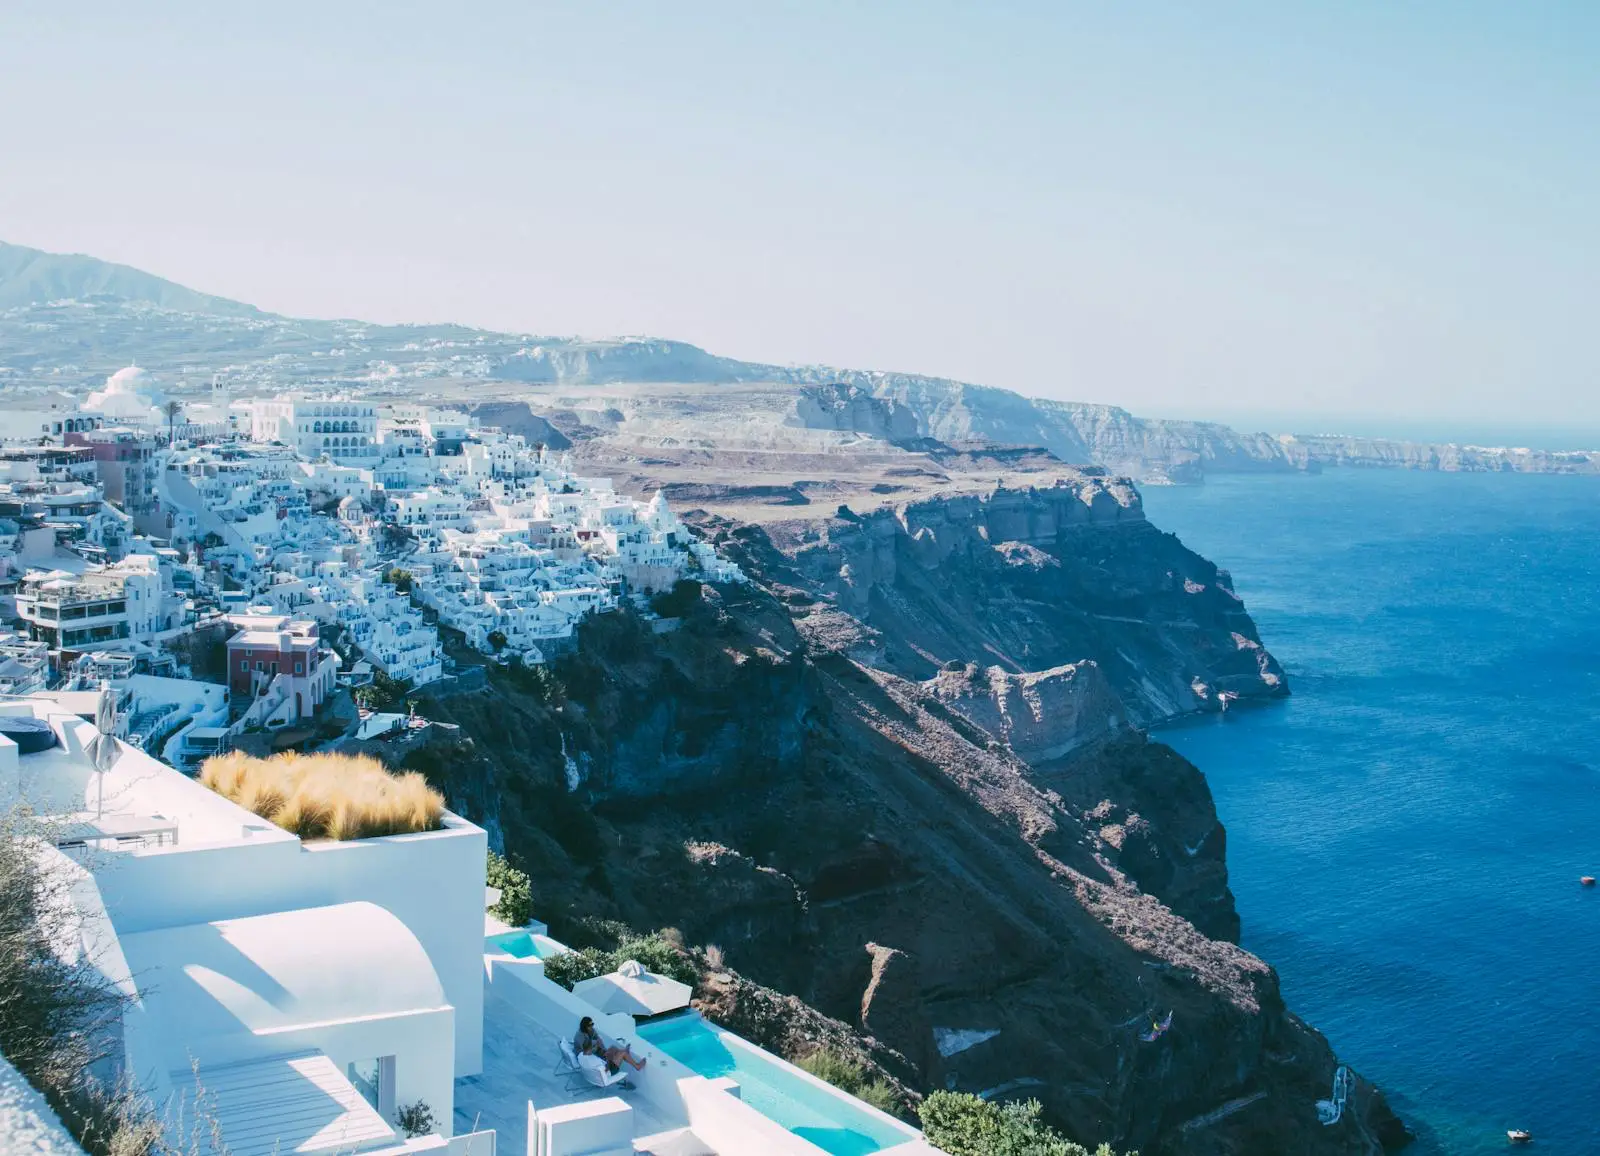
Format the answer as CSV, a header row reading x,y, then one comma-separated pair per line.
x,y
1373,211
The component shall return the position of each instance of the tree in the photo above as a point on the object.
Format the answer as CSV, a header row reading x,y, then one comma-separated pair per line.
x,y
515,906
172,409
383,692
496,640
415,1119
400,579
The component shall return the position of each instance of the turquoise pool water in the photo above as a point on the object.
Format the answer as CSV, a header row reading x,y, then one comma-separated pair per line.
x,y
521,944
832,1122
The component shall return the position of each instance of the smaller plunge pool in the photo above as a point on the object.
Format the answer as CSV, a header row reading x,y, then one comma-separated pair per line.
x,y
523,945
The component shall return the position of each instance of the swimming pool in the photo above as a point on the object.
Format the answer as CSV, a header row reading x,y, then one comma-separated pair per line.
x,y
812,1110
523,945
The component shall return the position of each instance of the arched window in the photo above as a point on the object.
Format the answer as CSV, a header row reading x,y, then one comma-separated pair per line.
x,y
325,442
316,427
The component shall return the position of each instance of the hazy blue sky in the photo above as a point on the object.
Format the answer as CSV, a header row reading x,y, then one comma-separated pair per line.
x,y
1194,209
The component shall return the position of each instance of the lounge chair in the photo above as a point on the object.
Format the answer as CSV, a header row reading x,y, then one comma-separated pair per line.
x,y
598,1074
567,1069
587,1073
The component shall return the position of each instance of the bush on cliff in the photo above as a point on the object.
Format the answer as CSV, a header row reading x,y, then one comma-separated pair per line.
x,y
678,601
575,966
850,1076
516,891
962,1124
660,951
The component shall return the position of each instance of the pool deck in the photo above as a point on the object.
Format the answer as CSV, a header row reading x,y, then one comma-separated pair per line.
x,y
519,1060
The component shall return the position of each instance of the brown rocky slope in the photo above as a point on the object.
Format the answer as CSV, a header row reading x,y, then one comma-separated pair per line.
x,y
899,777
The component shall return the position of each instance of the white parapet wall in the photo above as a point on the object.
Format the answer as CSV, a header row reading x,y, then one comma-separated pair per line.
x,y
719,1117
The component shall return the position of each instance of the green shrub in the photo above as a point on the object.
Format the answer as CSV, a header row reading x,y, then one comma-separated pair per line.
x,y
962,1124
850,1075
660,951
383,693
400,579
516,891
573,967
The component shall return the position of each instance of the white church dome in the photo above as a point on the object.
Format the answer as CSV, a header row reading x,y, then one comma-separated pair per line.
x,y
130,394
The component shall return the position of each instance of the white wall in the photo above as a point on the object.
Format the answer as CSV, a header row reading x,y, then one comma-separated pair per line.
x,y
728,1124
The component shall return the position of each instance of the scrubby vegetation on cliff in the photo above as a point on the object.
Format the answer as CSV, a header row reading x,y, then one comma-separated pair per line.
x,y
966,1125
515,905
661,951
851,1075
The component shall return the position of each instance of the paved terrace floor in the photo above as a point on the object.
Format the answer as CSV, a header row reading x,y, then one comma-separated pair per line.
x,y
519,1060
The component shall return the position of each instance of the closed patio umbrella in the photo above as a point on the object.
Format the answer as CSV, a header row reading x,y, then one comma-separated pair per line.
x,y
103,748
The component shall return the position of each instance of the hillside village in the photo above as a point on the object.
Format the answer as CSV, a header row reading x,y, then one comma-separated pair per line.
x,y
215,612
233,565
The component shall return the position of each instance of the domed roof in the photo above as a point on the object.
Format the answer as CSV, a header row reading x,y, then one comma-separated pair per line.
x,y
130,394
130,380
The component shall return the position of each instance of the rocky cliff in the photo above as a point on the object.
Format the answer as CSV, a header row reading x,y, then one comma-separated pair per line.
x,y
1028,580
899,776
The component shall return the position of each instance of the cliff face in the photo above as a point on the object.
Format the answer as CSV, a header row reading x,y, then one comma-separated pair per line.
x,y
1025,580
858,787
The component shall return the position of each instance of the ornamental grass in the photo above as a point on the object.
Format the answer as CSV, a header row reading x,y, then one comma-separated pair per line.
x,y
327,796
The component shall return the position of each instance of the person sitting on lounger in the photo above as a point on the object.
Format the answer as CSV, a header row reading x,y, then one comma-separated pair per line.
x,y
589,1043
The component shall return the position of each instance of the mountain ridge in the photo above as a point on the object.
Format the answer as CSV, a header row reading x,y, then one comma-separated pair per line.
x,y
33,276
66,320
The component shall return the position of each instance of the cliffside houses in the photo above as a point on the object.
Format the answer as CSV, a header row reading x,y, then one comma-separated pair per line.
x,y
372,527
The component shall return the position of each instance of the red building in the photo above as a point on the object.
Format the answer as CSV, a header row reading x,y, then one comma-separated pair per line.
x,y
279,659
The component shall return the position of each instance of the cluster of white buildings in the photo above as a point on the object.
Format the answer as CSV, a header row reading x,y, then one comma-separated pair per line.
x,y
131,520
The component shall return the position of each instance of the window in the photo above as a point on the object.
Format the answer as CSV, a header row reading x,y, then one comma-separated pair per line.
x,y
297,669
244,665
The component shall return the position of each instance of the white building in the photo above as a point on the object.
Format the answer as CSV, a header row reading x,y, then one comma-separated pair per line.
x,y
339,428
316,986
101,607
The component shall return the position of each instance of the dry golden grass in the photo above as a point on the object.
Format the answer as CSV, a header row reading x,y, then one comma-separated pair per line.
x,y
326,796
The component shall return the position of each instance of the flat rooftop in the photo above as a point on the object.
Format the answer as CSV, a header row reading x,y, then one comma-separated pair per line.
x,y
519,1062
141,806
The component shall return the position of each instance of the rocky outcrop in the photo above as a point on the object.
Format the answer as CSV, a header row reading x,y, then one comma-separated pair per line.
x,y
1028,581
515,417
894,1011
848,409
1041,715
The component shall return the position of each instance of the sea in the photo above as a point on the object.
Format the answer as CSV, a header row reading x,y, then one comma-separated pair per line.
x,y
1406,831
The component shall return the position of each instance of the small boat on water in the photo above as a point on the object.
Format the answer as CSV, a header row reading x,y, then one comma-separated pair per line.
x,y
1518,1136
1586,880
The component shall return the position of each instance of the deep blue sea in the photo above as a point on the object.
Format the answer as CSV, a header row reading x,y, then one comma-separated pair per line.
x,y
1406,831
